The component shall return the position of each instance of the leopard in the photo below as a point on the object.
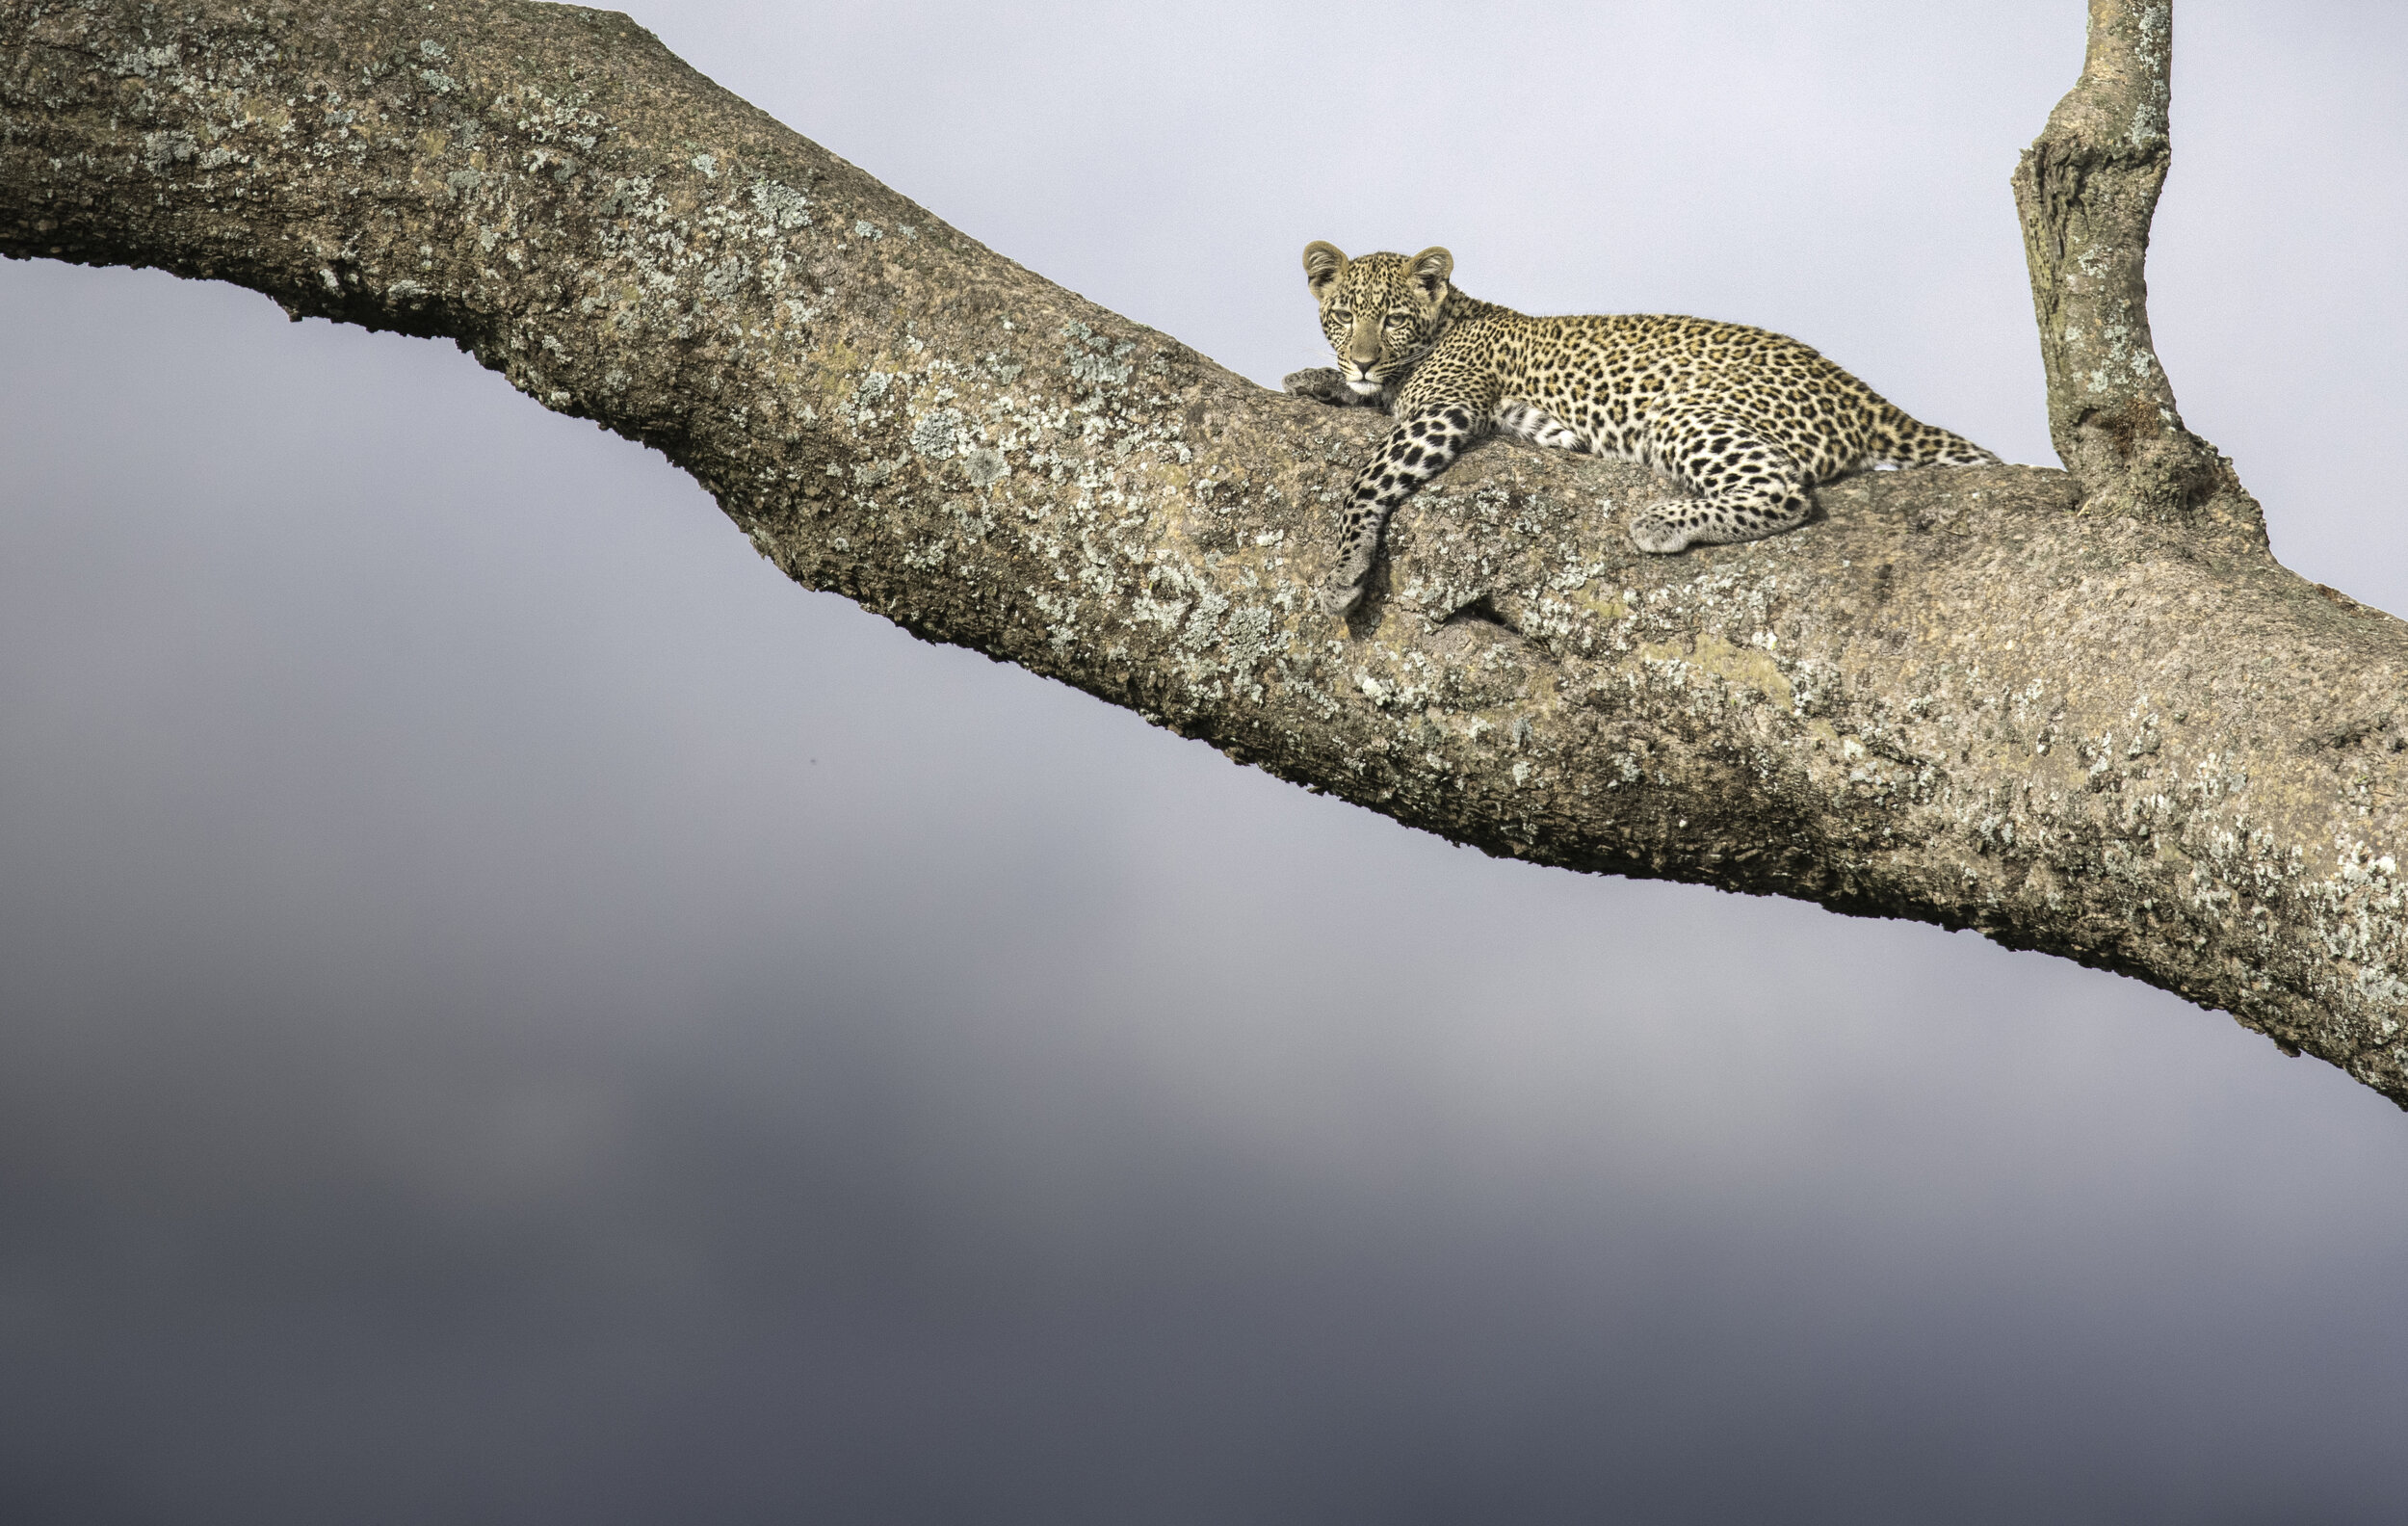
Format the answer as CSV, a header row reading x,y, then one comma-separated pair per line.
x,y
1746,419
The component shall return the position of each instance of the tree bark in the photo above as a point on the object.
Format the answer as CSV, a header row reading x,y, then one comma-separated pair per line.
x,y
2085,192
2105,735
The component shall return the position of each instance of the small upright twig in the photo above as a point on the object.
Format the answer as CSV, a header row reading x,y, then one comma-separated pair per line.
x,y
2085,190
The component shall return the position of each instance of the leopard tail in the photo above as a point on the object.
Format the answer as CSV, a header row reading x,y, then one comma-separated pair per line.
x,y
1899,441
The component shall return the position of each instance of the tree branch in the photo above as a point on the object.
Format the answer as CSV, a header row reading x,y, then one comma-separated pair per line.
x,y
2085,192
2102,735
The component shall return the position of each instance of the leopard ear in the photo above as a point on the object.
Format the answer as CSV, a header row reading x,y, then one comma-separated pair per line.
x,y
1430,270
1323,264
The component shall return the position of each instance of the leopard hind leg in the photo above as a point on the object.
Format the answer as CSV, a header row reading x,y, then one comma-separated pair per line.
x,y
1748,488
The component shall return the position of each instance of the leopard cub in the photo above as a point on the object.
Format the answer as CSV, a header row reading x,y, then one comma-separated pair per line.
x,y
1749,420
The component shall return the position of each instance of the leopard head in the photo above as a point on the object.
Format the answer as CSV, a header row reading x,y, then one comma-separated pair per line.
x,y
1381,312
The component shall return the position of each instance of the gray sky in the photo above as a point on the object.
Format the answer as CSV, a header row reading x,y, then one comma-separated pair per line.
x,y
514,1013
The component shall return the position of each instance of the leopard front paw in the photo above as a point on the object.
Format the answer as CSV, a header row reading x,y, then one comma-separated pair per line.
x,y
1338,598
1322,384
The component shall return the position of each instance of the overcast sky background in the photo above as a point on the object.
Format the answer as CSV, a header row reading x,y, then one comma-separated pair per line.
x,y
512,1012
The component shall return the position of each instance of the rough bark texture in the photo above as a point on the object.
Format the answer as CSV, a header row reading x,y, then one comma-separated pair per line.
x,y
2086,190
1951,698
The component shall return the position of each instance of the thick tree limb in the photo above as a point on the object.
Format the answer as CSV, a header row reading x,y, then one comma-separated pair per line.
x,y
2086,190
2096,734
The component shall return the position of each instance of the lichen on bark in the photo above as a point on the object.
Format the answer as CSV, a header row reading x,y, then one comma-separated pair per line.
x,y
2085,192
2123,735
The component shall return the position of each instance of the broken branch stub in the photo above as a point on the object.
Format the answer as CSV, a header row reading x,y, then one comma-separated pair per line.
x,y
2085,192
